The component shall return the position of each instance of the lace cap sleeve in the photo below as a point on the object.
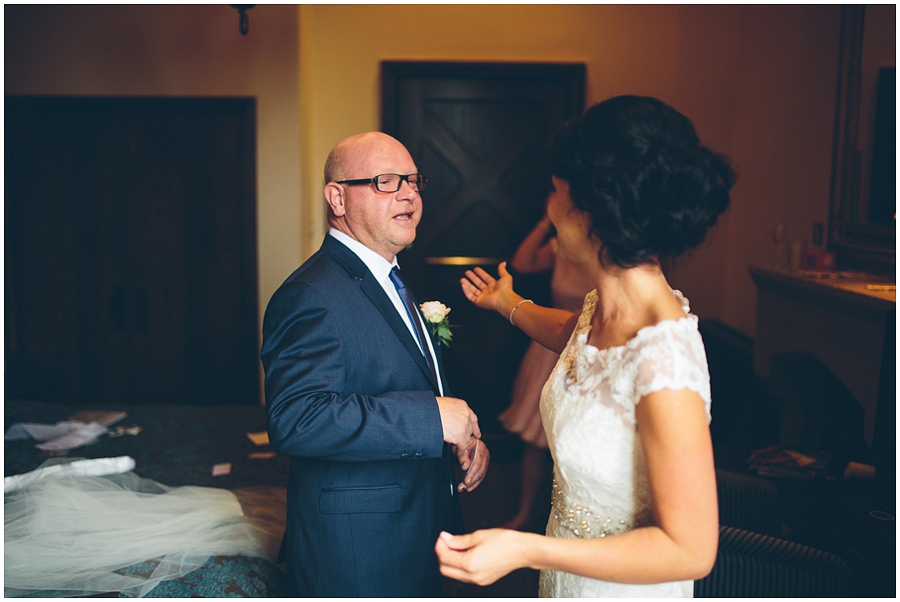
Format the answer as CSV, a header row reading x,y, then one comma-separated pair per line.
x,y
674,358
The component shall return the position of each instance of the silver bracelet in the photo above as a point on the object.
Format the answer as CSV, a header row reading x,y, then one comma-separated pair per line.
x,y
517,307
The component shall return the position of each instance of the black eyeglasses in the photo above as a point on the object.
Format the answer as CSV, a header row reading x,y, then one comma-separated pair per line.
x,y
390,182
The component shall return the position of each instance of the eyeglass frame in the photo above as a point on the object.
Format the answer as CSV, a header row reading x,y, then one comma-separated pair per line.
x,y
374,180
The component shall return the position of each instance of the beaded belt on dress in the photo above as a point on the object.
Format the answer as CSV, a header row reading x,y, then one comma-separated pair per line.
x,y
582,522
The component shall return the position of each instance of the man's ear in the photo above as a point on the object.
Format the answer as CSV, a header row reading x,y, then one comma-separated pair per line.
x,y
334,195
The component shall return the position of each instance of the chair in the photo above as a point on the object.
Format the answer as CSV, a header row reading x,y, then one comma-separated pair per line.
x,y
755,565
753,561
748,503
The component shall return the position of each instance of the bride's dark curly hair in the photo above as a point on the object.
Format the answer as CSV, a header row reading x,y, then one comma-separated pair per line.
x,y
636,166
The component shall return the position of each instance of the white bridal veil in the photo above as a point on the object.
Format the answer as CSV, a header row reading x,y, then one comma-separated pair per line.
x,y
121,533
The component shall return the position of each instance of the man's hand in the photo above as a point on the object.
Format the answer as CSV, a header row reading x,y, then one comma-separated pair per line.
x,y
459,422
475,461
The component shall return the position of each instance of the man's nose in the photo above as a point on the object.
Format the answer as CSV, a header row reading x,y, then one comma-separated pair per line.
x,y
406,190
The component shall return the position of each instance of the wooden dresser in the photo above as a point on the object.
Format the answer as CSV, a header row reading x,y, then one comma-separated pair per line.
x,y
848,322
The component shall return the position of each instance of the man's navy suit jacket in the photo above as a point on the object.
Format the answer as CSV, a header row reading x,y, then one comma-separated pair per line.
x,y
351,400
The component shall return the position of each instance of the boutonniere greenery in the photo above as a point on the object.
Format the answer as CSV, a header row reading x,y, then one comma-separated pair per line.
x,y
435,314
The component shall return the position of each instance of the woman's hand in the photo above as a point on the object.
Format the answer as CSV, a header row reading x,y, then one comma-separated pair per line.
x,y
487,292
481,557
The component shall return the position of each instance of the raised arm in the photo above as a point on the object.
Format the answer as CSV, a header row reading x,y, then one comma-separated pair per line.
x,y
549,327
535,253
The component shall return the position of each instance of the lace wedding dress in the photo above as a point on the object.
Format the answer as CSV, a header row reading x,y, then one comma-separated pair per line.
x,y
588,407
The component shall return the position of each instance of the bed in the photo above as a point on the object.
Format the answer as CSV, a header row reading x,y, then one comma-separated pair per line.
x,y
179,445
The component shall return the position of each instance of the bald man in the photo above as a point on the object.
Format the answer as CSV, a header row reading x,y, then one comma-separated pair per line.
x,y
355,394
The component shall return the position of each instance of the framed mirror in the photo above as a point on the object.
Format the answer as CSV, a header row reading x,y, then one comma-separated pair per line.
x,y
862,218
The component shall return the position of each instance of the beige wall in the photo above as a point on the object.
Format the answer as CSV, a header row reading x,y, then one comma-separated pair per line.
x,y
758,82
181,51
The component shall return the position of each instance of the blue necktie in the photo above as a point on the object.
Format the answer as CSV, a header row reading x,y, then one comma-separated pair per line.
x,y
413,312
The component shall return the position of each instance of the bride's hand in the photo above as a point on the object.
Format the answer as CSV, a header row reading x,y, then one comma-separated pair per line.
x,y
481,557
484,290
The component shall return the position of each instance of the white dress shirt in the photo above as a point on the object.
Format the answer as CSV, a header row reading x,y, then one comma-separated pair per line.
x,y
381,269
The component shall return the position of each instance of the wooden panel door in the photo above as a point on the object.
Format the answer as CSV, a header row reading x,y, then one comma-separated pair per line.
x,y
479,133
131,250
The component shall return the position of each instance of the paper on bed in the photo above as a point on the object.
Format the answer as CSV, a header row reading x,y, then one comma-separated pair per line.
x,y
82,436
55,437
104,417
40,432
260,438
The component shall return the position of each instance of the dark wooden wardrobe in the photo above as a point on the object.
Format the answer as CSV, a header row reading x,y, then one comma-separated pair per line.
x,y
130,250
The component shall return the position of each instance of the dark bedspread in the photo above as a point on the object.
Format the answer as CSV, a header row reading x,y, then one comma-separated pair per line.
x,y
178,445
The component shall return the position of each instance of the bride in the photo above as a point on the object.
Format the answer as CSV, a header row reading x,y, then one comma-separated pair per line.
x,y
627,408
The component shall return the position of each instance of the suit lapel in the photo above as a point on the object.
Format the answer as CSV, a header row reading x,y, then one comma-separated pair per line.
x,y
373,290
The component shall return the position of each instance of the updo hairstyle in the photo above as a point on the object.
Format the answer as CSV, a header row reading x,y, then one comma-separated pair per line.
x,y
635,165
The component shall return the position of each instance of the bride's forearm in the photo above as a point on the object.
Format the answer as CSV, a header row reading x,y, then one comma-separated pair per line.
x,y
645,555
548,326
